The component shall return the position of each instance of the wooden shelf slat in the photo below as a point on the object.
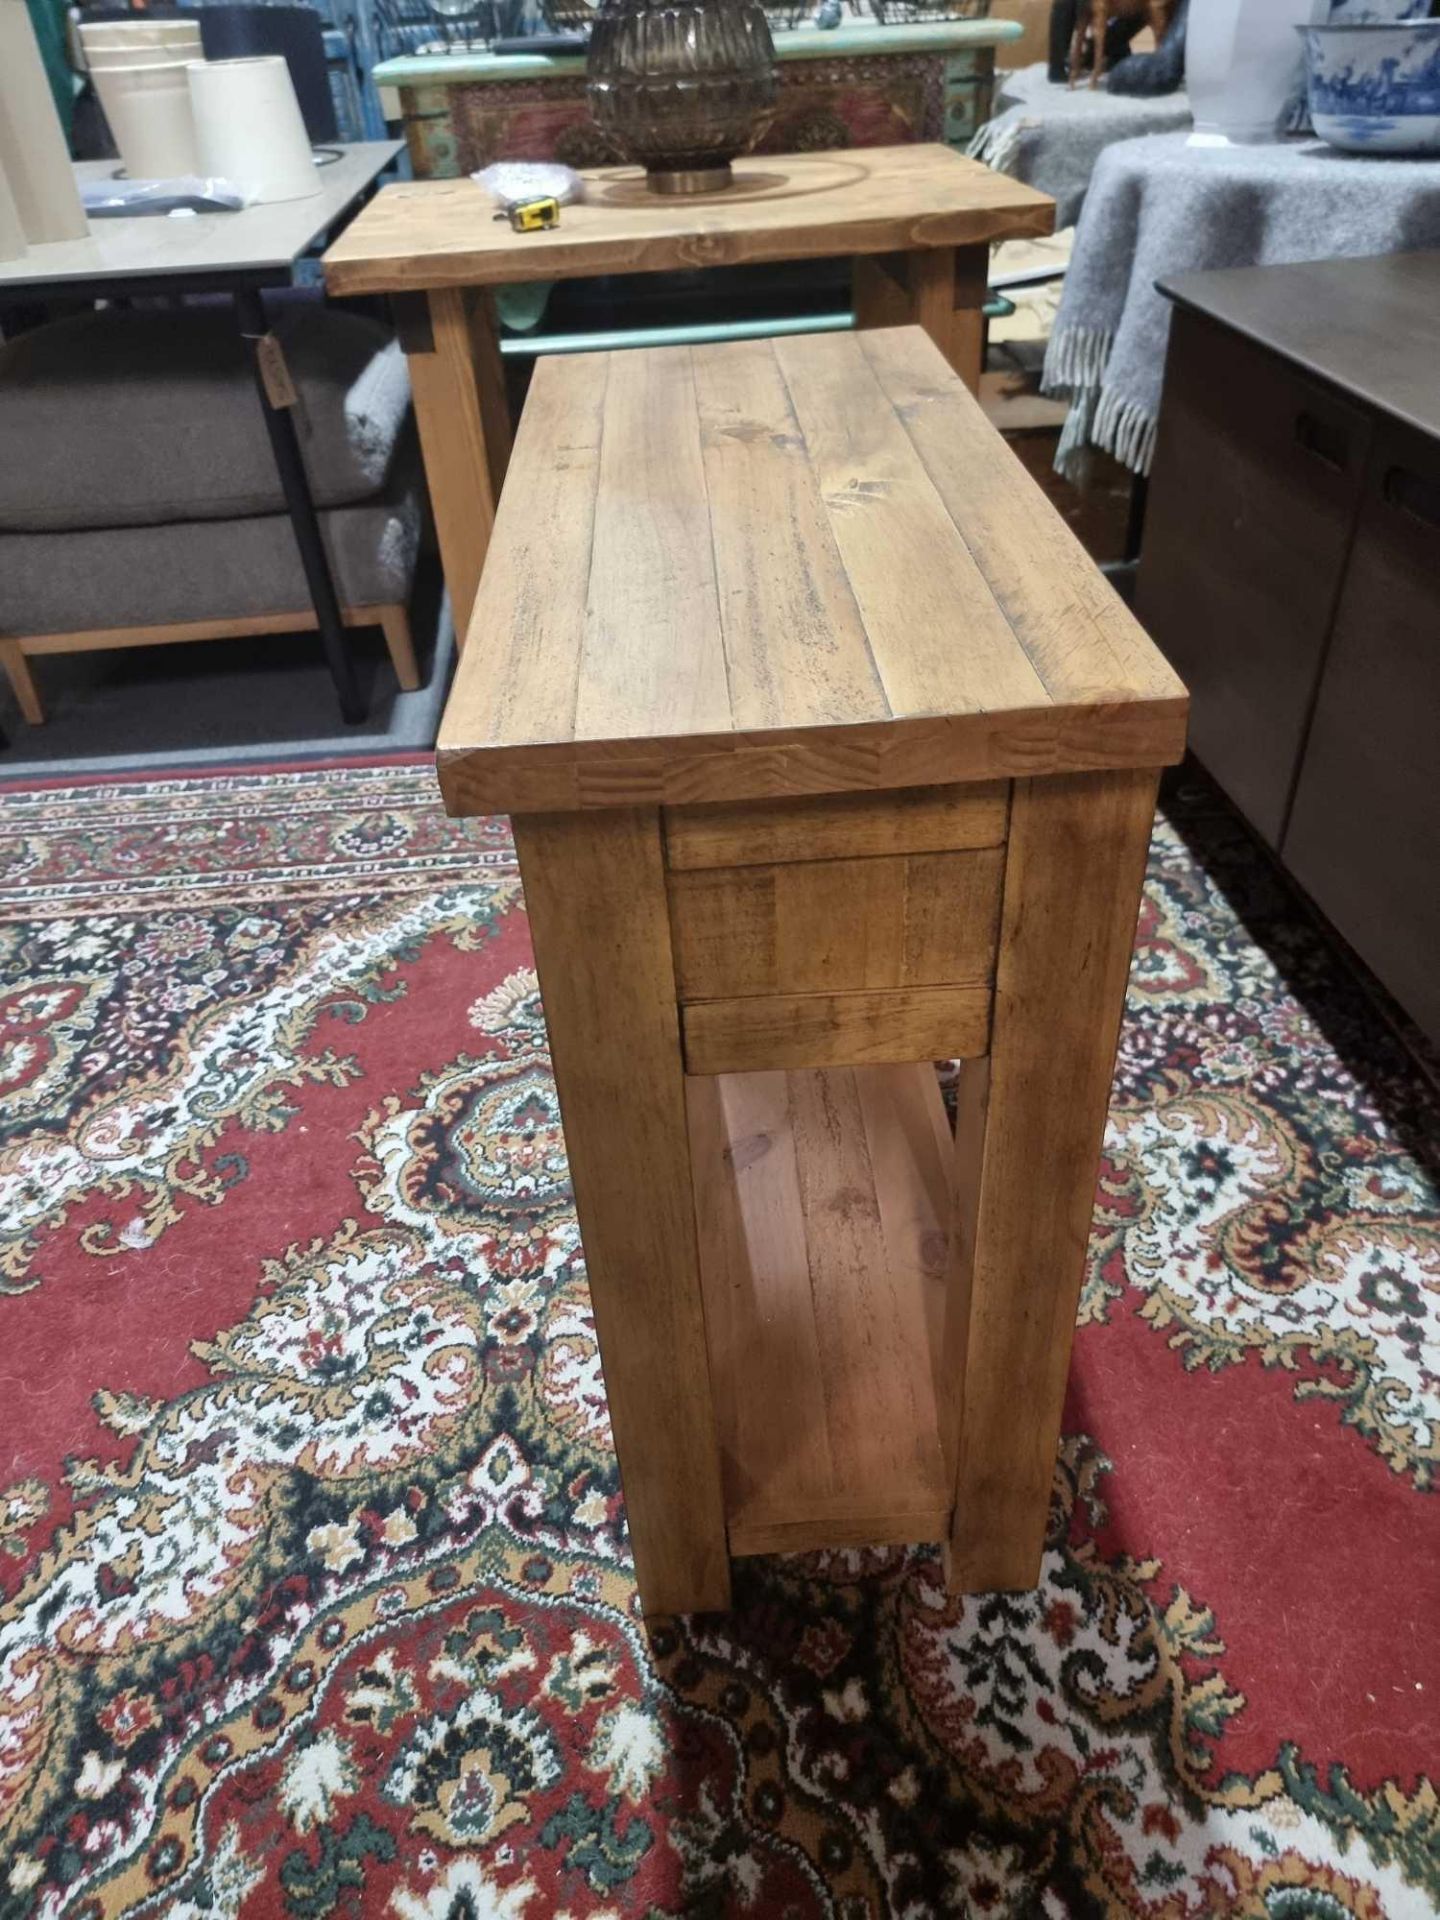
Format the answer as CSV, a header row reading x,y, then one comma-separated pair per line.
x,y
823,1201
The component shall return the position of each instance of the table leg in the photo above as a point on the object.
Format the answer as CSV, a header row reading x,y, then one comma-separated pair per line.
x,y
295,485
939,288
456,377
595,891
948,291
1030,1128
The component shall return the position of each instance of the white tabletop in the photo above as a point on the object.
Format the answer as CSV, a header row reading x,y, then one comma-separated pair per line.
x,y
256,240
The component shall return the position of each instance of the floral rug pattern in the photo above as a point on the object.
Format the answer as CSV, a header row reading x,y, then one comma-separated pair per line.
x,y
315,1597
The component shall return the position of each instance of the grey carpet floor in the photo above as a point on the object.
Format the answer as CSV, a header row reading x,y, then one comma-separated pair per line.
x,y
226,702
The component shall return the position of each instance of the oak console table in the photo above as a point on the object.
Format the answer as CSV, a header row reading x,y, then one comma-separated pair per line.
x,y
919,219
829,754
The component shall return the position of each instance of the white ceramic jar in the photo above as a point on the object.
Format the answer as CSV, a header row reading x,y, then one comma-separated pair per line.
x,y
1244,66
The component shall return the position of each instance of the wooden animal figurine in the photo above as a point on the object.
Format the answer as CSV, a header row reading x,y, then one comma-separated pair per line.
x,y
1092,16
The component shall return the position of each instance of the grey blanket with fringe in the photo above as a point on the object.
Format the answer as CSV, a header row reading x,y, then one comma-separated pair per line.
x,y
1051,136
1158,207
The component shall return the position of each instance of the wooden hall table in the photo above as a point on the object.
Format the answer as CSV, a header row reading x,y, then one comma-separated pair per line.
x,y
919,219
829,754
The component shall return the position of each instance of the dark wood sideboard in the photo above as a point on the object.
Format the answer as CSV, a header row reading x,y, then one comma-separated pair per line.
x,y
1291,572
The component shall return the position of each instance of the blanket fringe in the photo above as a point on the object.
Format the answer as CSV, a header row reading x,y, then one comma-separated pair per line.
x,y
1075,363
1076,357
997,142
1126,429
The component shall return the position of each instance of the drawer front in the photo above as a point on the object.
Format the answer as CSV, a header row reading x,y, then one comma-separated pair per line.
x,y
837,826
836,926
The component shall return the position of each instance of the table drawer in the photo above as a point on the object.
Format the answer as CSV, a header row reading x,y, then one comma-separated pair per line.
x,y
832,826
836,926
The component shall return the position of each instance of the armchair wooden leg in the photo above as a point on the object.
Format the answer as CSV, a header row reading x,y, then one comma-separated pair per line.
x,y
395,625
22,681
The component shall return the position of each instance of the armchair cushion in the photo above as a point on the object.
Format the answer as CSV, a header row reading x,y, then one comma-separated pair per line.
x,y
121,419
89,578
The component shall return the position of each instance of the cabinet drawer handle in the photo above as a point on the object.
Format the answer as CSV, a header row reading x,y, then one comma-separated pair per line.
x,y
1413,495
1329,444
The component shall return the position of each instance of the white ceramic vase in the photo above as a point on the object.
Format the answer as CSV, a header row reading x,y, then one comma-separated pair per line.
x,y
1244,65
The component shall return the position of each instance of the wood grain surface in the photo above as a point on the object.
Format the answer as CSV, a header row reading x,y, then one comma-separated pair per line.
x,y
840,826
836,1029
776,574
452,413
443,233
835,926
821,1203
1031,1125
595,893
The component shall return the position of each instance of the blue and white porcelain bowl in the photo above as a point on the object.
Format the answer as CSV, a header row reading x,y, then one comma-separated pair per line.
x,y
1375,86
1360,13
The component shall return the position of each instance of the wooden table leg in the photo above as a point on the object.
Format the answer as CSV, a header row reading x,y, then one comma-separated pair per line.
x,y
968,289
595,889
458,382
939,288
1031,1125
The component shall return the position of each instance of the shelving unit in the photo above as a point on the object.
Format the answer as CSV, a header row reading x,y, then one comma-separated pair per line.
x,y
822,1205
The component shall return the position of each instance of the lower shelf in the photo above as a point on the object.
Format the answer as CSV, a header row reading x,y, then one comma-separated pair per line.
x,y
823,1204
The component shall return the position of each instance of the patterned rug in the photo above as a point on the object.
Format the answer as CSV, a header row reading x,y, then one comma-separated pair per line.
x,y
316,1593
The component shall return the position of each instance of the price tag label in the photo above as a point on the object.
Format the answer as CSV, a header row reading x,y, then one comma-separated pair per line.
x,y
279,387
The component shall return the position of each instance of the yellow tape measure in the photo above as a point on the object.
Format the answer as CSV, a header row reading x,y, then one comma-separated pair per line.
x,y
532,216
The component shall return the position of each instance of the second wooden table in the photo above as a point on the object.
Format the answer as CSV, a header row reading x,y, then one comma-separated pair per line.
x,y
920,221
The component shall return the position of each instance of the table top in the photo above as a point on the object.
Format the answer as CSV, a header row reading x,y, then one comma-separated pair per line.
x,y
1367,326
783,566
791,206
206,246
861,37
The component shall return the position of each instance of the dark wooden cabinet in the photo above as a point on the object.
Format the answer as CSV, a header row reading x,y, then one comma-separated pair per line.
x,y
1365,826
1256,482
1291,572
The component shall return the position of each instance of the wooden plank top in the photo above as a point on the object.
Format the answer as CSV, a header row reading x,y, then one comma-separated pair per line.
x,y
1367,326
443,233
806,565
259,239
